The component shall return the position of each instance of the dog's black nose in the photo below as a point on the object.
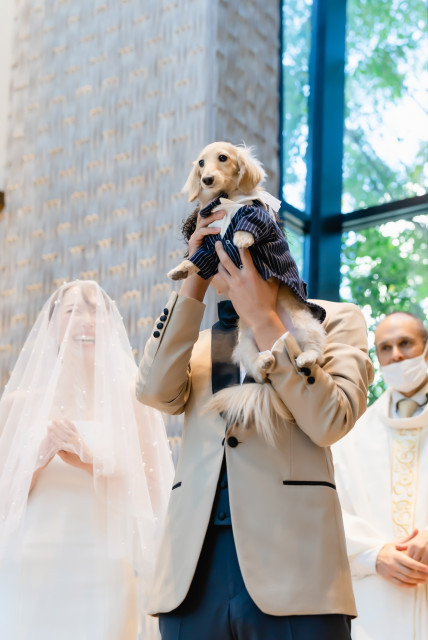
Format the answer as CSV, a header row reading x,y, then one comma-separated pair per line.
x,y
208,180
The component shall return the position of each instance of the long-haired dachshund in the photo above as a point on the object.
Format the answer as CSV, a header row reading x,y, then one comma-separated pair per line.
x,y
228,177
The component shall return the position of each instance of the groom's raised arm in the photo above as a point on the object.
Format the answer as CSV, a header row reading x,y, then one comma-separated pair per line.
x,y
164,379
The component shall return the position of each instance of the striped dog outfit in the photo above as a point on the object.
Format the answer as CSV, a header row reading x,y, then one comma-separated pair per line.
x,y
270,251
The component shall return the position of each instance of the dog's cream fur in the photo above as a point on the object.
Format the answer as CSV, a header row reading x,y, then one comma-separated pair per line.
x,y
240,174
243,406
237,173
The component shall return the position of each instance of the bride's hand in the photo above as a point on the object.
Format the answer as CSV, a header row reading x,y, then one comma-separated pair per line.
x,y
47,452
70,446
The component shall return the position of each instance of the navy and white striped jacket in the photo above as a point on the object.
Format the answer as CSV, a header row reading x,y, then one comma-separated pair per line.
x,y
270,252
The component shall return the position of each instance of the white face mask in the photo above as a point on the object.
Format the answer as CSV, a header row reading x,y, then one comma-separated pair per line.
x,y
406,375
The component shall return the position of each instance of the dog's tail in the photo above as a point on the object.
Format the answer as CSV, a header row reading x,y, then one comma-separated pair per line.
x,y
252,404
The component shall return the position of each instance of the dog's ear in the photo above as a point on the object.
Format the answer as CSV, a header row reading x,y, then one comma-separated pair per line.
x,y
251,172
192,186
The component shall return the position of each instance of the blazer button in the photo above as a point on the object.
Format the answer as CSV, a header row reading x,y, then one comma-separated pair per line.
x,y
160,325
156,334
311,380
162,318
306,371
221,515
232,442
166,311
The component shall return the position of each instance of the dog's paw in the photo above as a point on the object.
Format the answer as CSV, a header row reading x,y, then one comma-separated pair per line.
x,y
177,274
263,364
243,239
309,358
183,270
266,361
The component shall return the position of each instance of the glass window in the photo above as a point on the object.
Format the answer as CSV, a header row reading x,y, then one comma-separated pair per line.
x,y
386,121
383,270
296,243
296,40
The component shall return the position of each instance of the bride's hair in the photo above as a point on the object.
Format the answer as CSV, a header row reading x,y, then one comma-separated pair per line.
x,y
87,289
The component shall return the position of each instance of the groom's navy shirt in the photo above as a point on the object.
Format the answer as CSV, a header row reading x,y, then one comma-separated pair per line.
x,y
221,508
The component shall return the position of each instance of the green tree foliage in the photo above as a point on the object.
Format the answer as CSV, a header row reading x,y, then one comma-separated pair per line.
x,y
385,141
296,42
386,57
384,269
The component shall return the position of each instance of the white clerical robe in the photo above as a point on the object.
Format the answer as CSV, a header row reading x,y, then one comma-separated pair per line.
x,y
384,495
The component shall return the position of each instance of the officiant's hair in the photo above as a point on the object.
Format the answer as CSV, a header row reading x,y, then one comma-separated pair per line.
x,y
422,329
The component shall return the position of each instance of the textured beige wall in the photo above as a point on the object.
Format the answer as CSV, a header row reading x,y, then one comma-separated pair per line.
x,y
6,30
110,103
247,59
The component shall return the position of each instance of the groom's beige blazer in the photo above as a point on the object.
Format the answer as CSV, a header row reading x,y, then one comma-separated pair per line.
x,y
286,517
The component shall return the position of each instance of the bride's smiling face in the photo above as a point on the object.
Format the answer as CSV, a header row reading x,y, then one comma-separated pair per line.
x,y
77,317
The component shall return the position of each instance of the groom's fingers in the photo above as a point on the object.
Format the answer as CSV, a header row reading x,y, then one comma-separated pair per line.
x,y
225,262
246,259
222,273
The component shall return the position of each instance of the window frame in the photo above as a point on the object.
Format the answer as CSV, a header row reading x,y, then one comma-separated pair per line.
x,y
322,222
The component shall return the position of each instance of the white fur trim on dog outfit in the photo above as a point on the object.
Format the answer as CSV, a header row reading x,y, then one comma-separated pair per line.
x,y
232,205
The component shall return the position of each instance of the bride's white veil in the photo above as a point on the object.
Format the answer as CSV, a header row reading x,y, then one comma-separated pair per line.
x,y
71,394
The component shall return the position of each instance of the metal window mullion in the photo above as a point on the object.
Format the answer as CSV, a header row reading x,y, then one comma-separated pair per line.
x,y
325,148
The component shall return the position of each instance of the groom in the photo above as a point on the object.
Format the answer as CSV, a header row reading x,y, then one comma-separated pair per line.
x,y
253,545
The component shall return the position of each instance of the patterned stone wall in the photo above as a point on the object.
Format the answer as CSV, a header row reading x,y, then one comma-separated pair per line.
x,y
247,57
110,103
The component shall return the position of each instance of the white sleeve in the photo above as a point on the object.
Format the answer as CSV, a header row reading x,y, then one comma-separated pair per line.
x,y
364,563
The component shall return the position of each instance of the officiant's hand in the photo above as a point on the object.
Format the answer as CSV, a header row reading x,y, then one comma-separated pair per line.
x,y
416,547
400,569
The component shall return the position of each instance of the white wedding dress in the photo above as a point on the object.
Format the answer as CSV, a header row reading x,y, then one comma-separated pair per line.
x,y
77,552
63,584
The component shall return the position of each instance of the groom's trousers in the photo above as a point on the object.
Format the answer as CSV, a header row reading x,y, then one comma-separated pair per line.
x,y
219,607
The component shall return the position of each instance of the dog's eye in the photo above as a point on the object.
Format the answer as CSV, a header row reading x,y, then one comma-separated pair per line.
x,y
222,158
201,163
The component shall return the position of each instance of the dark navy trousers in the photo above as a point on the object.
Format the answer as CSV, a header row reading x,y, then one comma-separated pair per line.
x,y
219,607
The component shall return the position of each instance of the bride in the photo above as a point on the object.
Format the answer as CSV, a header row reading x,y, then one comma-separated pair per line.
x,y
85,475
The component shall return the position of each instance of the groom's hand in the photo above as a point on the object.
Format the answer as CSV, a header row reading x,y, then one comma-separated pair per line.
x,y
194,286
254,299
